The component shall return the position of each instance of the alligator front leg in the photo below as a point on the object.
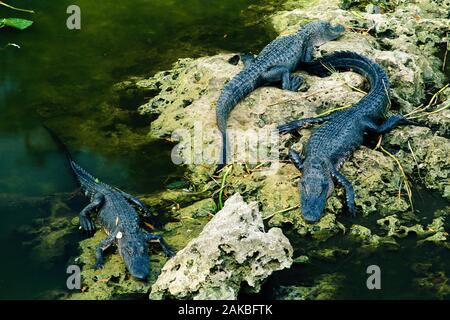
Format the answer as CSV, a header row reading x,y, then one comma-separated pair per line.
x,y
349,192
86,222
389,124
307,55
288,81
166,248
293,125
99,253
296,159
247,59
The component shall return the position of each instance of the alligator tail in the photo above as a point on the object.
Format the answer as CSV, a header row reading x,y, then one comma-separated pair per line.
x,y
59,143
225,104
347,60
233,92
76,169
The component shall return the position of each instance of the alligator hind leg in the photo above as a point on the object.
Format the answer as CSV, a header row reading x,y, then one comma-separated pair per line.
x,y
154,221
294,84
142,208
293,125
289,81
389,124
246,58
275,74
99,253
166,248
349,192
86,222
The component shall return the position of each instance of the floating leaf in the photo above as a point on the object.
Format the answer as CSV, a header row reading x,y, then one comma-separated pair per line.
x,y
177,185
17,23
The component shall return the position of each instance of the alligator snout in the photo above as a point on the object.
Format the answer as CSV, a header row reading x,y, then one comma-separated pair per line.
x,y
313,210
139,268
310,219
140,276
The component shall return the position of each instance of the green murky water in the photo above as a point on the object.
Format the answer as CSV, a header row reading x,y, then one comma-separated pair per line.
x,y
63,78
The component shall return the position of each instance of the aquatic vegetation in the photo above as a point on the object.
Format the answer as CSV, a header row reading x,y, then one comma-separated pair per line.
x,y
325,287
17,23
177,185
47,239
227,171
14,8
405,181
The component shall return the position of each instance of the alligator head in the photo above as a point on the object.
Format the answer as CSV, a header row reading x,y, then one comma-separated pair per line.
x,y
323,31
316,185
134,252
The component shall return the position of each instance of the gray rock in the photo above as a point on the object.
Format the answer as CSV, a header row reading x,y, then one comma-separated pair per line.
x,y
232,249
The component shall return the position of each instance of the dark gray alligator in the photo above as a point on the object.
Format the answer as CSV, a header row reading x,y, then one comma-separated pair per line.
x,y
334,141
117,215
274,63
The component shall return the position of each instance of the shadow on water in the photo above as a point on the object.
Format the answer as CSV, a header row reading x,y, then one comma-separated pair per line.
x,y
64,78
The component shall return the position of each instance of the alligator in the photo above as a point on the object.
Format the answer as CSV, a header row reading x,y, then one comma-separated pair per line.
x,y
118,215
275,63
341,134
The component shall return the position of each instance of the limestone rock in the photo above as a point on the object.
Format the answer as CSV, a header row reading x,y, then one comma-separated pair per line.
x,y
232,249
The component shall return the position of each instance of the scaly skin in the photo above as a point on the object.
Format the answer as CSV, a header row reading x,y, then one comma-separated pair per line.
x,y
274,63
341,135
117,215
